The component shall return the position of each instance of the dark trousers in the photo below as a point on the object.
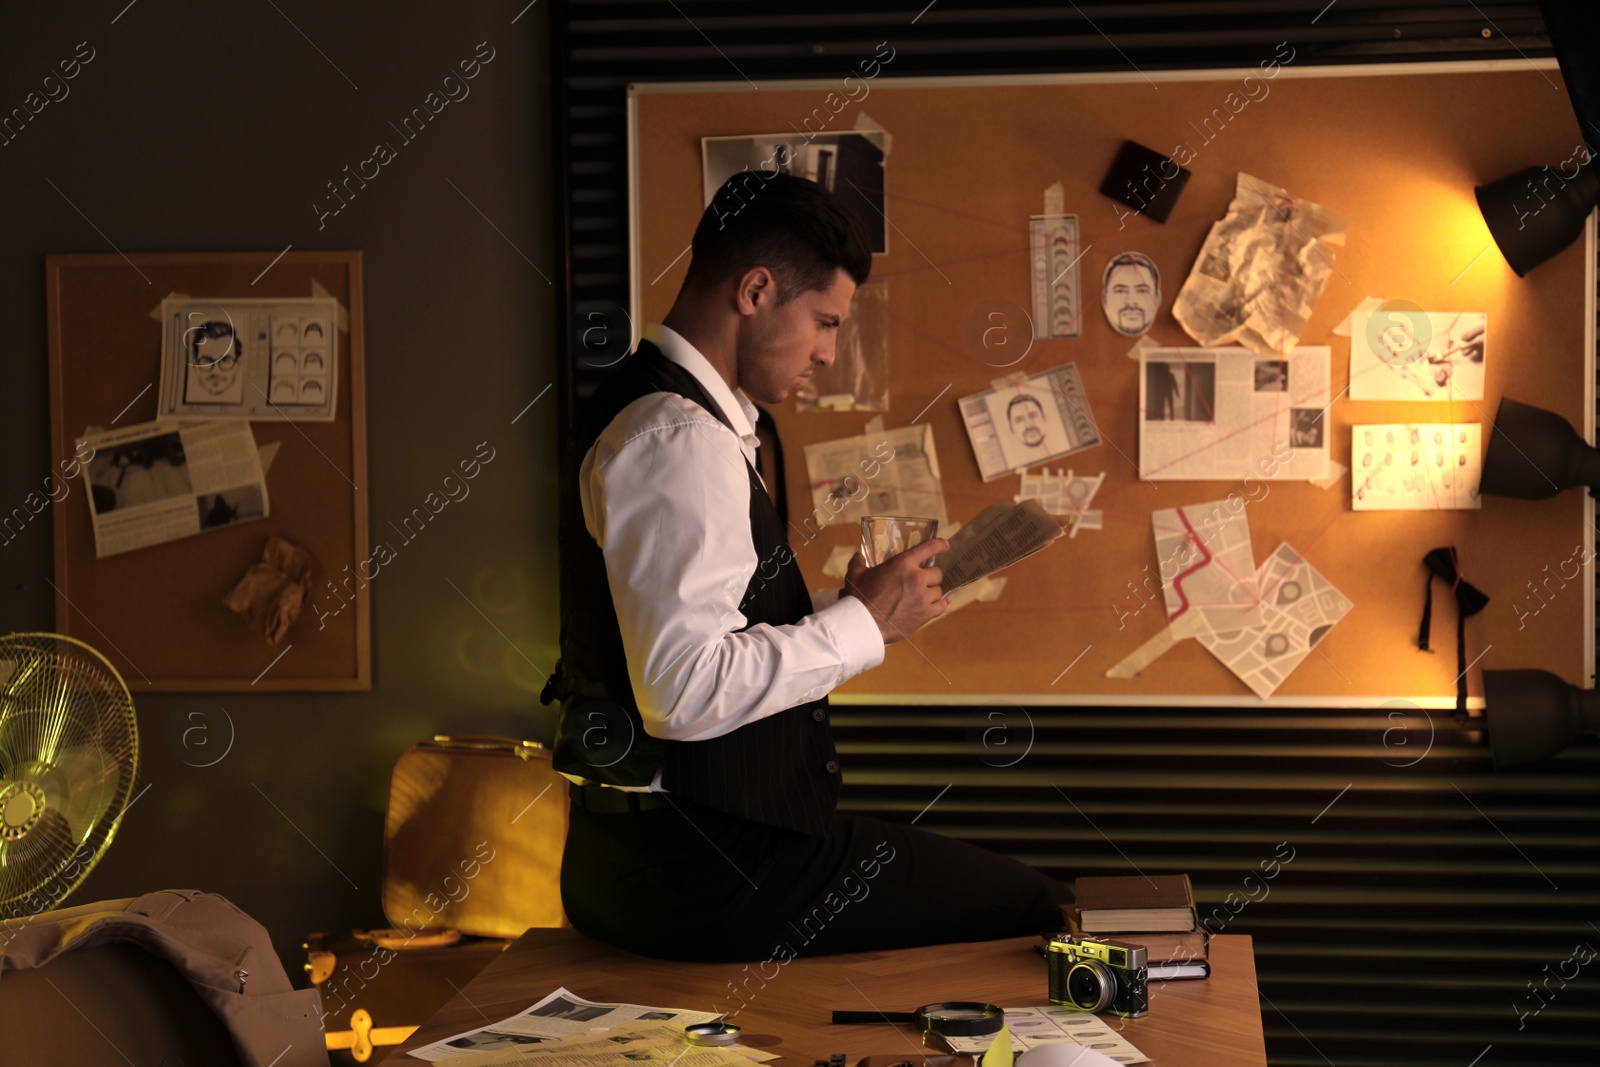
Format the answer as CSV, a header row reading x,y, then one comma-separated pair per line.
x,y
686,882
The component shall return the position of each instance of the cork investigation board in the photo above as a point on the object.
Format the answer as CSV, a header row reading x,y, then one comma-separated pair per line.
x,y
156,612
1395,149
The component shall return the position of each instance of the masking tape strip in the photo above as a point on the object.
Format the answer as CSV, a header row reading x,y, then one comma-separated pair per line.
x,y
1335,472
1055,200
1187,625
1370,304
875,133
155,312
1141,345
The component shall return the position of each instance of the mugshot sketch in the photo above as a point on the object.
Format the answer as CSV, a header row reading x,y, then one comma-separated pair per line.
x,y
1028,424
212,358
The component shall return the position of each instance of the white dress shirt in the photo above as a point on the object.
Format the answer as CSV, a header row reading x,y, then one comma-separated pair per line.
x,y
666,495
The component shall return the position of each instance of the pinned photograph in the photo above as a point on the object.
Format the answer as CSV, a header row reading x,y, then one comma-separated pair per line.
x,y
1272,376
850,165
1305,428
229,506
1400,352
138,473
1180,392
1130,293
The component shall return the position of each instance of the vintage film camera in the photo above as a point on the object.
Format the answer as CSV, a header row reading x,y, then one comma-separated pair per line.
x,y
1097,975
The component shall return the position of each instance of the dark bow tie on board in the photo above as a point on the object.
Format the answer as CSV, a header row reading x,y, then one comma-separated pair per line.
x,y
1441,563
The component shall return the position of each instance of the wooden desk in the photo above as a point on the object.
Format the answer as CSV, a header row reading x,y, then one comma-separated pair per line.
x,y
1191,1023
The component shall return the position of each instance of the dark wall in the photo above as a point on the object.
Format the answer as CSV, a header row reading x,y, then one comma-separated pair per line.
x,y
203,126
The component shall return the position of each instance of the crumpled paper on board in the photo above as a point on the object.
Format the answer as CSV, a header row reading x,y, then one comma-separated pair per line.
x,y
1260,271
272,592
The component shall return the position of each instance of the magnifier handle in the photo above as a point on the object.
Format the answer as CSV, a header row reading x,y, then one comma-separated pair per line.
x,y
857,1017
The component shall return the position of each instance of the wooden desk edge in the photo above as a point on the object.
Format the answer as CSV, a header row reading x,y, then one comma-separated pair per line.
x,y
571,952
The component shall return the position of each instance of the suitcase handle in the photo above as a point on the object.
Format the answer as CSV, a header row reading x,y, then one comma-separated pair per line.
x,y
488,742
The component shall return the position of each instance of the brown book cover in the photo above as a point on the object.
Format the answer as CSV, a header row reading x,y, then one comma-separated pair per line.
x,y
1167,947
1160,903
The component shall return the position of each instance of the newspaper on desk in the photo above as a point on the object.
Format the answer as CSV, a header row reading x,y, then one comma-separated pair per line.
x,y
249,359
159,481
1051,1024
563,1022
1260,271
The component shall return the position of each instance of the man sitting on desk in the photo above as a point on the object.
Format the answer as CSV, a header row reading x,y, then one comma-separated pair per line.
x,y
694,674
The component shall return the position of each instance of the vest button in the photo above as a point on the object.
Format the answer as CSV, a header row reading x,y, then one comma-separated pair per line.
x,y
832,767
818,714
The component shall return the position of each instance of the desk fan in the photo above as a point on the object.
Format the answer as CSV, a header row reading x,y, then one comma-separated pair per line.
x,y
69,752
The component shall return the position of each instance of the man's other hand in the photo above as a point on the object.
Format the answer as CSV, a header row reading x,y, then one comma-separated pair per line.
x,y
900,593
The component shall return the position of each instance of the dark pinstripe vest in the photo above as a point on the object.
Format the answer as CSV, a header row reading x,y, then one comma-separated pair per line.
x,y
780,770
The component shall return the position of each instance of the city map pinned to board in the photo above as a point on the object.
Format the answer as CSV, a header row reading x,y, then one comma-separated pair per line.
x,y
1299,606
1261,622
1207,567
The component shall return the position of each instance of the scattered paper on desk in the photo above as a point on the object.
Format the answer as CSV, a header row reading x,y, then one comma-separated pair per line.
x,y
651,1042
1029,420
1298,607
1224,414
160,481
1398,352
559,1015
892,472
1416,467
1260,271
249,359
1050,1024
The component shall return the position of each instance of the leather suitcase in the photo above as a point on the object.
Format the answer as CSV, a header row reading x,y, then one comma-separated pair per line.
x,y
473,836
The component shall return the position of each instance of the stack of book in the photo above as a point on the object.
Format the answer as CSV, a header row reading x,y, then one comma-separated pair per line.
x,y
1157,912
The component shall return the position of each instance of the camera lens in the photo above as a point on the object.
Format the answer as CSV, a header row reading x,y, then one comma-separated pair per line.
x,y
1090,986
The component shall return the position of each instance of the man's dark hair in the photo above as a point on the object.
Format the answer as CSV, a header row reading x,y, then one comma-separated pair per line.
x,y
795,228
1024,398
1131,259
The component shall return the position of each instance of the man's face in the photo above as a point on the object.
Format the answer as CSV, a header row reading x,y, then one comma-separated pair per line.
x,y
1131,299
217,377
1027,423
779,347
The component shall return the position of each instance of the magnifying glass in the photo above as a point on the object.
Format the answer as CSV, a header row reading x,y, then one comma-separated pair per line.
x,y
950,1018
706,1034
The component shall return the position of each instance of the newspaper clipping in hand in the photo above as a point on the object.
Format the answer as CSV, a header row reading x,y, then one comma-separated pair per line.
x,y
1002,534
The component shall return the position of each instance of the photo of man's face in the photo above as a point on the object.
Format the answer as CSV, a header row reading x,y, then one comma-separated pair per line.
x,y
1026,416
1130,293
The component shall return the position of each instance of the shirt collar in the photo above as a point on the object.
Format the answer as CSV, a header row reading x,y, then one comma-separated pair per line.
x,y
740,412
